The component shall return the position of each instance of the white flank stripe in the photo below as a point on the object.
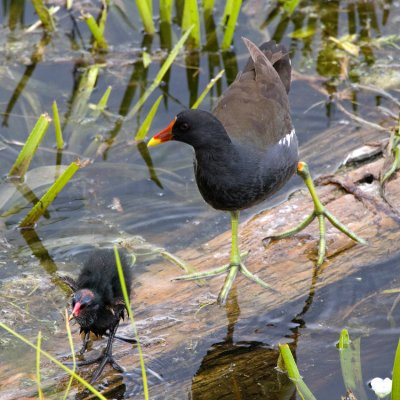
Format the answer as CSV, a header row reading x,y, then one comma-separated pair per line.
x,y
285,141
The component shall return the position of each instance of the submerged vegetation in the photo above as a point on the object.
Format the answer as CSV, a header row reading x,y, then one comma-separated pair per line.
x,y
125,61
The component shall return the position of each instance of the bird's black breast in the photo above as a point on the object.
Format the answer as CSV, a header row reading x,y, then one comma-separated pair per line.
x,y
243,177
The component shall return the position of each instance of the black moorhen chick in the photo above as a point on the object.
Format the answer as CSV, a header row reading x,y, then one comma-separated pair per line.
x,y
98,303
246,149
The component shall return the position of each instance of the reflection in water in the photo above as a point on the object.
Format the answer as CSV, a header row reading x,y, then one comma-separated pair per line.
x,y
240,370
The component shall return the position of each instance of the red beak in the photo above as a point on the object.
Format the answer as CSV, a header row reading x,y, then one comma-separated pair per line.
x,y
75,311
162,136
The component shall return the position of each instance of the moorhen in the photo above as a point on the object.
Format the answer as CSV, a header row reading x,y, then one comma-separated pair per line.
x,y
246,150
97,302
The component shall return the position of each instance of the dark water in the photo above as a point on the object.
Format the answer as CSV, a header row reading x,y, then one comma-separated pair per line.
x,y
168,211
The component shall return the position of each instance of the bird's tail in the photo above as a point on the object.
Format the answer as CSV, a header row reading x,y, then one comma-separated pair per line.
x,y
279,57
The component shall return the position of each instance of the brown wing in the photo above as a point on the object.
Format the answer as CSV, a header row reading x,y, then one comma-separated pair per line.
x,y
255,108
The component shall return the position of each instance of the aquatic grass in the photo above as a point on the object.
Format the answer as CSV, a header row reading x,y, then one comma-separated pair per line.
x,y
52,10
287,363
98,36
208,6
290,5
130,315
53,360
100,107
163,70
191,18
57,126
146,14
144,128
396,374
41,206
27,152
38,374
350,363
229,19
212,82
71,346
166,11
44,15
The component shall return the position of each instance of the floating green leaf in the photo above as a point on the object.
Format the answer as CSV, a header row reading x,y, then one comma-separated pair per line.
x,y
303,33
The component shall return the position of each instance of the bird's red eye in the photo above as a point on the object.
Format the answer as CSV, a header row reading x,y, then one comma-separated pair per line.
x,y
184,126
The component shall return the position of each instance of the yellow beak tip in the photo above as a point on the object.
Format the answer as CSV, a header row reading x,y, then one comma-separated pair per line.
x,y
153,142
71,317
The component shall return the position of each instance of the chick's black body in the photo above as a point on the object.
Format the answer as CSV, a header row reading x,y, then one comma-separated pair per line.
x,y
99,282
98,303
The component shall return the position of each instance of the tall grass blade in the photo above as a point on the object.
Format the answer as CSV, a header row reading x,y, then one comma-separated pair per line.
x,y
130,314
44,15
191,18
38,377
102,104
294,373
71,346
208,6
96,31
166,11
207,89
57,126
396,375
350,363
231,24
42,205
144,128
146,15
53,360
25,156
157,80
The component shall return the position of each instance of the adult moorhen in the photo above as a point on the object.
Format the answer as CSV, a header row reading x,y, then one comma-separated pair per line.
x,y
98,303
246,150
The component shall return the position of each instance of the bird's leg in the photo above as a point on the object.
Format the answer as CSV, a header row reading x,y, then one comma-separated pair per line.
x,y
84,343
395,150
235,265
320,212
105,358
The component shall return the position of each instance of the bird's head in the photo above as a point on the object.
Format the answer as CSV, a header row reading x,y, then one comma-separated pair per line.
x,y
84,303
194,127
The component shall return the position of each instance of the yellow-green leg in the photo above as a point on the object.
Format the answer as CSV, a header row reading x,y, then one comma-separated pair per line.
x,y
235,265
395,150
320,212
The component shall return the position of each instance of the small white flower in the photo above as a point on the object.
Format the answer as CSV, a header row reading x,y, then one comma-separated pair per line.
x,y
381,387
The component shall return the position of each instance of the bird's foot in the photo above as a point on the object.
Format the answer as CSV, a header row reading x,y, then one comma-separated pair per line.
x,y
231,269
103,360
106,359
320,212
